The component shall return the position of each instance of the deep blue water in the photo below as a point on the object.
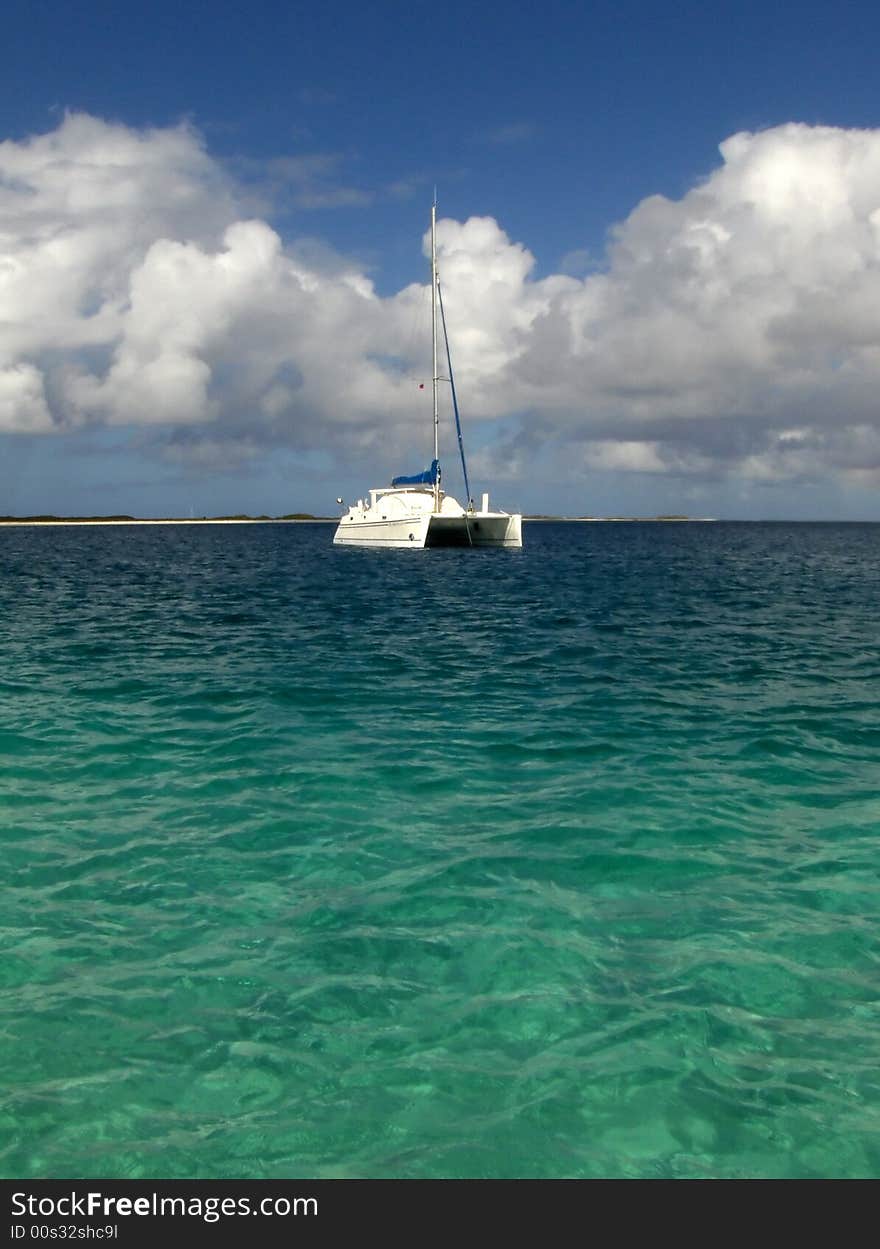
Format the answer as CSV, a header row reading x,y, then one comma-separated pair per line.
x,y
560,862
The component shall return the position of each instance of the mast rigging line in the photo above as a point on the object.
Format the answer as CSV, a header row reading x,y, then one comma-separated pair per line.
x,y
467,488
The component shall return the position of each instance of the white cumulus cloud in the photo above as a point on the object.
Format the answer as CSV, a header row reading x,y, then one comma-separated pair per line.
x,y
735,331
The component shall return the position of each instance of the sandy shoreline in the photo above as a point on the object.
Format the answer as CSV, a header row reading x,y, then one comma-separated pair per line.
x,y
46,524
329,520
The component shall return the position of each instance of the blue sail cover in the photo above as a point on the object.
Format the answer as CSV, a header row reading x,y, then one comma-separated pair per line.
x,y
427,478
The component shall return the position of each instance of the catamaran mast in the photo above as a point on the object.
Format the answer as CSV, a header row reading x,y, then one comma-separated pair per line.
x,y
434,345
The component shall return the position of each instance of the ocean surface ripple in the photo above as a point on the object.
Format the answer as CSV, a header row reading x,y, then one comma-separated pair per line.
x,y
560,862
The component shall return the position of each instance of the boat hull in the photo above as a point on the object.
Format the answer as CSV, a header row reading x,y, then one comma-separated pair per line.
x,y
474,529
399,531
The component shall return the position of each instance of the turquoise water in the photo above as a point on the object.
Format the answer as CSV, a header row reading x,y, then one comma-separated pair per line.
x,y
556,863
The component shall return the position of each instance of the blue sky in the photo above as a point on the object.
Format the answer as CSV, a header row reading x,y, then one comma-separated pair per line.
x,y
140,378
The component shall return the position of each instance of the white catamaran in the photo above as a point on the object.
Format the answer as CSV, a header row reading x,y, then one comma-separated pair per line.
x,y
415,511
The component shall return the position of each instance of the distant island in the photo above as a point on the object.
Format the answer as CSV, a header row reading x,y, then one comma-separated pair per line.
x,y
238,519
641,520
243,519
